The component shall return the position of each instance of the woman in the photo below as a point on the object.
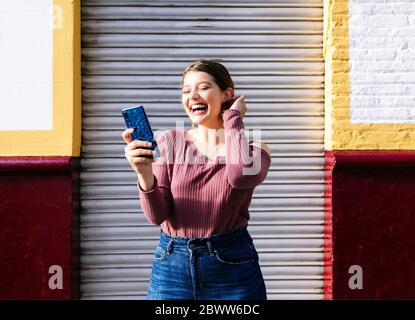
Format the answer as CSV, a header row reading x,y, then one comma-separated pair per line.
x,y
201,201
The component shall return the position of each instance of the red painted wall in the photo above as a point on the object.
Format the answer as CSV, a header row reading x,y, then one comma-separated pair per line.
x,y
373,203
328,230
39,206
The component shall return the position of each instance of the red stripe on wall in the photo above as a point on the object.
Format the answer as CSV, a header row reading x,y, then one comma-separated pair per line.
x,y
329,162
41,163
39,227
374,158
373,220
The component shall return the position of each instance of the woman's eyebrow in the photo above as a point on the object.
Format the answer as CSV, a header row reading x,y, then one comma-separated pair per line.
x,y
207,82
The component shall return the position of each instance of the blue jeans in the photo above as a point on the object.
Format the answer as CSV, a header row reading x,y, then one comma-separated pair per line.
x,y
221,267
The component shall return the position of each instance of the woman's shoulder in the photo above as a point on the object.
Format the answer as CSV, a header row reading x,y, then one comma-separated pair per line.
x,y
261,145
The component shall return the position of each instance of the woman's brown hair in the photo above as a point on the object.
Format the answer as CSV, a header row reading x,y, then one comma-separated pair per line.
x,y
217,70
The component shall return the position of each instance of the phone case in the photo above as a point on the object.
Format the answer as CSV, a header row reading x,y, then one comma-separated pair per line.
x,y
136,117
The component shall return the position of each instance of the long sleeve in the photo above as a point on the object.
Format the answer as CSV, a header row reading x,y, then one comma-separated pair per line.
x,y
157,202
247,166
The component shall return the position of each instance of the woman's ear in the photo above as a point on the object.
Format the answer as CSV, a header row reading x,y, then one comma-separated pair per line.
x,y
229,93
229,99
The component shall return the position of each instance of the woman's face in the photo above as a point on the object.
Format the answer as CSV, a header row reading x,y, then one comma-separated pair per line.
x,y
202,98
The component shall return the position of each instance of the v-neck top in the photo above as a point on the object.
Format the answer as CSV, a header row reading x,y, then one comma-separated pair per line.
x,y
194,196
189,140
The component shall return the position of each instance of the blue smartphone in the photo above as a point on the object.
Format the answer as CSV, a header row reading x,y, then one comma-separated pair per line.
x,y
136,118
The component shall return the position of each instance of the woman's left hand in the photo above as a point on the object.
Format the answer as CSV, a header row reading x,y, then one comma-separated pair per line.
x,y
239,105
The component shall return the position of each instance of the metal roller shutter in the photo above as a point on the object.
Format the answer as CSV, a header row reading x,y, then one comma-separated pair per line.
x,y
134,52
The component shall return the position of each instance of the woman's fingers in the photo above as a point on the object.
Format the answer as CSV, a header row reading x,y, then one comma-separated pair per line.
x,y
141,160
240,105
126,135
138,157
233,99
139,152
239,102
138,144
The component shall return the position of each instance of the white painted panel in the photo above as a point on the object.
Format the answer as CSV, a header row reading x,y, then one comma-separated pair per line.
x,y
26,87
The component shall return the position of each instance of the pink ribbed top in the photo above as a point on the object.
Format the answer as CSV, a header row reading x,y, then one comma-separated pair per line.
x,y
194,196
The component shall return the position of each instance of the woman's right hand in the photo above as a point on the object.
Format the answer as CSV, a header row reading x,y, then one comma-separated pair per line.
x,y
240,105
133,153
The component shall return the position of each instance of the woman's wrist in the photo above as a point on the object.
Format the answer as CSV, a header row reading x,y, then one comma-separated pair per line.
x,y
232,119
146,181
230,111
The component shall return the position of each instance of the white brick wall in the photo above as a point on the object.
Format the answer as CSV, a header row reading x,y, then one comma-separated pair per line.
x,y
382,61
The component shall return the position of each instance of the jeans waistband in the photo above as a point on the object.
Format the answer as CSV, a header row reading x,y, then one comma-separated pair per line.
x,y
230,238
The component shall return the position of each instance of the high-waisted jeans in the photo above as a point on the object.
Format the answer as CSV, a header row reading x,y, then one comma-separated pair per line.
x,y
221,267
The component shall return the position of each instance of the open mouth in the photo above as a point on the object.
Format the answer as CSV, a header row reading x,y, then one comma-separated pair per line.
x,y
199,109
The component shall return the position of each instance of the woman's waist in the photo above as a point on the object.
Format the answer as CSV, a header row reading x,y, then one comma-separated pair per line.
x,y
225,239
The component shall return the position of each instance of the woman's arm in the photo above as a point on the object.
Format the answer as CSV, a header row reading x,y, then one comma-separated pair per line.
x,y
156,198
156,202
247,164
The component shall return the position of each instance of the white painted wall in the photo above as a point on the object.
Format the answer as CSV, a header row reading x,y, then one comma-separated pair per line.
x,y
26,88
382,61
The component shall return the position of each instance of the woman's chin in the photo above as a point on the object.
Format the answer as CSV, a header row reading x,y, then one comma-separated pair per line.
x,y
198,119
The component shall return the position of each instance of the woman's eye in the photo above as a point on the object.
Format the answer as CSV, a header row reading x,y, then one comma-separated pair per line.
x,y
185,92
204,88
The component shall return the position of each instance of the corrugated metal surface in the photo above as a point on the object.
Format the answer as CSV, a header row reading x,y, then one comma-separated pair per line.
x,y
134,52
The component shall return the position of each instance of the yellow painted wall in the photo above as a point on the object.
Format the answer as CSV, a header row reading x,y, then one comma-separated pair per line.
x,y
340,134
65,137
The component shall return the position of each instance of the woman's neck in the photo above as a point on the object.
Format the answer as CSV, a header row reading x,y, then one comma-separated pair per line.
x,y
210,137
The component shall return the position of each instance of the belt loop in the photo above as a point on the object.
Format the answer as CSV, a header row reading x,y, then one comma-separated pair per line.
x,y
211,250
170,246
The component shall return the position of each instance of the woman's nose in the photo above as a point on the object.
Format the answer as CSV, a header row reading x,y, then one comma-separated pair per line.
x,y
194,93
